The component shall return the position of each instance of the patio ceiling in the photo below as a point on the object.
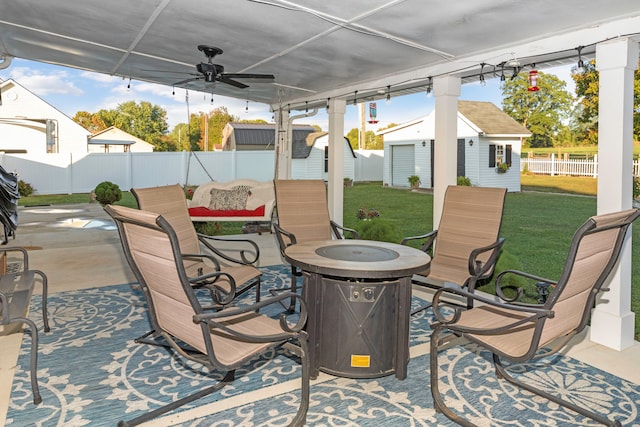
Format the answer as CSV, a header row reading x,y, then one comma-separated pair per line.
x,y
316,50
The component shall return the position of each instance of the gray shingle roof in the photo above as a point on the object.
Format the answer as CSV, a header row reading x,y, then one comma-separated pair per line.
x,y
490,119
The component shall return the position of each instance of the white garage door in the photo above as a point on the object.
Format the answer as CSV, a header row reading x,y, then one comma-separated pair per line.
x,y
402,164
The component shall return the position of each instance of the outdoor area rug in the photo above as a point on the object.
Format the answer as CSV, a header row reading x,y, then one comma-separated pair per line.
x,y
92,373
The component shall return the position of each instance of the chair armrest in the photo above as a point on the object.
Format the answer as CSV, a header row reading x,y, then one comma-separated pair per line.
x,y
338,230
285,238
220,296
23,252
427,246
519,291
483,270
212,319
248,256
4,303
537,312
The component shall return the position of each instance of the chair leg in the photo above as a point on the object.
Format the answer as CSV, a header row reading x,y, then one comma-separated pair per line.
x,y
303,352
501,372
438,402
178,403
293,288
33,363
45,287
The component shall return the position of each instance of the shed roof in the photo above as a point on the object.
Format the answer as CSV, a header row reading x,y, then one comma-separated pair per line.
x,y
490,119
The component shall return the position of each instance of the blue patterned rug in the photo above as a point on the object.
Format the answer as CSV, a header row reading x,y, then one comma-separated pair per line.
x,y
92,373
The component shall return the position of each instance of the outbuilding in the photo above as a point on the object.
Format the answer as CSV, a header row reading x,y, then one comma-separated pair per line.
x,y
489,147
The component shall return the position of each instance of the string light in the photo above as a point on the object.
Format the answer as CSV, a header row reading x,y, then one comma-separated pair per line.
x,y
306,103
482,81
173,90
429,86
580,61
502,77
388,94
211,98
129,84
246,109
328,99
355,97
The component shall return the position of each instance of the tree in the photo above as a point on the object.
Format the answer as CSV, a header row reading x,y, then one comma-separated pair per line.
x,y
145,121
587,89
542,111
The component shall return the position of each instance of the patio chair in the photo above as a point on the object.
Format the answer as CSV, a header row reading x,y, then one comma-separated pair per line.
x,y
522,332
465,248
170,202
303,216
222,340
16,288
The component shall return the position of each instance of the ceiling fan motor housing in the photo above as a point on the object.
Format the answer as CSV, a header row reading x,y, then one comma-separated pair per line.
x,y
209,71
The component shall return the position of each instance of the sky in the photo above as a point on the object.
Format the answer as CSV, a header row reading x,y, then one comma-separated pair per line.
x,y
71,90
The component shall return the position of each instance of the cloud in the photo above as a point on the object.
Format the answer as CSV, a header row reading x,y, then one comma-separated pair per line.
x,y
54,82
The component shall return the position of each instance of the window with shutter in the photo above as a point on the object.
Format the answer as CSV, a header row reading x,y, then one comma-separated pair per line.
x,y
492,155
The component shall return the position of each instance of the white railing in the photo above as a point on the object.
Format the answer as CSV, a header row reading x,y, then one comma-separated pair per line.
x,y
575,167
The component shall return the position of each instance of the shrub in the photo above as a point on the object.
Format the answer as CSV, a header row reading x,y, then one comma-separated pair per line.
x,y
636,187
25,189
107,193
378,229
464,181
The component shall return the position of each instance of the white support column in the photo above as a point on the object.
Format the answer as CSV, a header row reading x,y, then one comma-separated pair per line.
x,y
337,108
446,90
612,322
282,147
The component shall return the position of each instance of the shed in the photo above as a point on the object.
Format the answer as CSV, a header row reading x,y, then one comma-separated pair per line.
x,y
487,139
310,158
115,140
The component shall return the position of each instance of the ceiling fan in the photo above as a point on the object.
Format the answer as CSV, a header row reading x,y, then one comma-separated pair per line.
x,y
212,73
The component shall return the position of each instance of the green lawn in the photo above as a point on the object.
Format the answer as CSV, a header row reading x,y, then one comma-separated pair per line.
x,y
538,223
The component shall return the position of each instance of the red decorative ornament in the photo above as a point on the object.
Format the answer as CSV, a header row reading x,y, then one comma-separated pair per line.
x,y
533,81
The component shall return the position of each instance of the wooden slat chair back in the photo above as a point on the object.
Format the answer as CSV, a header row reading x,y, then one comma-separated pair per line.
x,y
519,332
170,202
224,339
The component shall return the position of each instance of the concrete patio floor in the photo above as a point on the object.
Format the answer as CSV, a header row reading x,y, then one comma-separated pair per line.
x,y
78,247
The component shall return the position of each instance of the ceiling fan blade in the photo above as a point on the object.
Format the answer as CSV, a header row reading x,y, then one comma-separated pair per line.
x,y
193,79
227,80
249,76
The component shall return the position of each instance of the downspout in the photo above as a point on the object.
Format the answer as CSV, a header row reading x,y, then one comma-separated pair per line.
x,y
290,136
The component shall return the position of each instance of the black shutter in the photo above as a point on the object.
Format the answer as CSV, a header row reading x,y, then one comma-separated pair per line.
x,y
507,154
492,155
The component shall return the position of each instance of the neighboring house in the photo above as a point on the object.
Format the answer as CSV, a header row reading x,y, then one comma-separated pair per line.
x,y
487,138
30,125
115,140
310,158
258,136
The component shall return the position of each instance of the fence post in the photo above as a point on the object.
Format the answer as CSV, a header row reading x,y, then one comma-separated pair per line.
x,y
595,166
553,164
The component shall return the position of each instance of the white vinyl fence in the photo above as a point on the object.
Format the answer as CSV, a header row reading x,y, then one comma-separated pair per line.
x,y
69,174
575,167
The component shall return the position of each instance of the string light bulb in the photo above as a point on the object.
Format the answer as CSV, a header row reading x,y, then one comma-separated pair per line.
x,y
388,94
129,84
328,99
482,81
246,108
